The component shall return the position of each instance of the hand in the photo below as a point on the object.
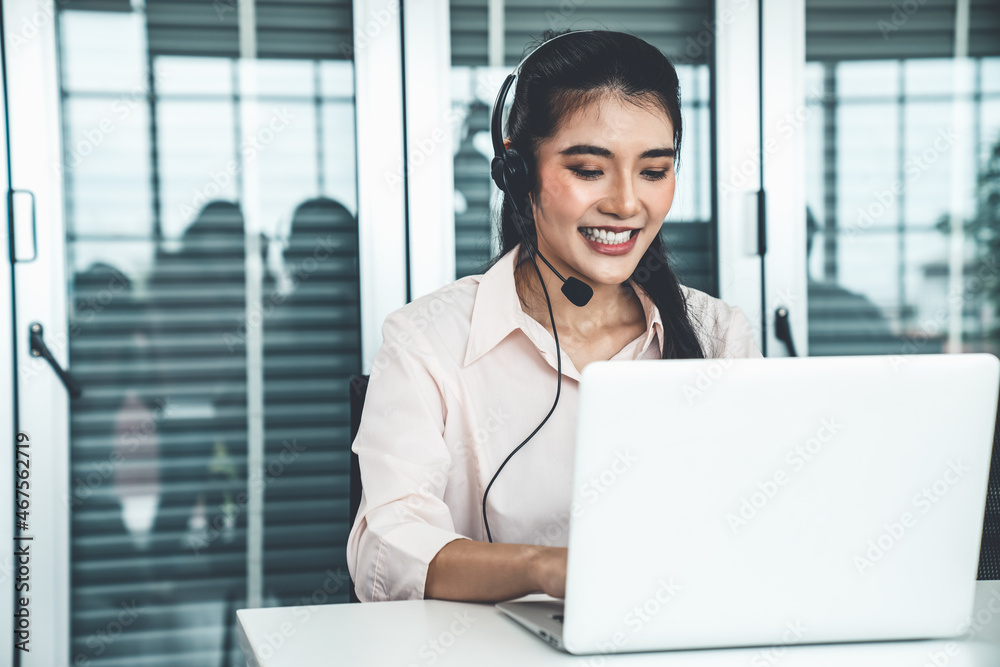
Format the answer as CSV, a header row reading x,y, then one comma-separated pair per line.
x,y
548,569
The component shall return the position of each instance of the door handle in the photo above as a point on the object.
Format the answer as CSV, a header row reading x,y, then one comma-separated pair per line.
x,y
40,349
20,209
783,330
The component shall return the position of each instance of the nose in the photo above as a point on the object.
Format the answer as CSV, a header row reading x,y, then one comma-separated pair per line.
x,y
621,201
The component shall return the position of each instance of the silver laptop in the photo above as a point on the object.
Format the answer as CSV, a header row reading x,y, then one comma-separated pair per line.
x,y
753,502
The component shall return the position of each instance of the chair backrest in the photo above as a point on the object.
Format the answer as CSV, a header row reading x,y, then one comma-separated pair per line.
x,y
357,390
989,553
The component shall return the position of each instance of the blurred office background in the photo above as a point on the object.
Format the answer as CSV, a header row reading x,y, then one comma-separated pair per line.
x,y
205,243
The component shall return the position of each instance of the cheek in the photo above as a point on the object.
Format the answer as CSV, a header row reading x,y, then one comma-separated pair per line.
x,y
663,195
560,191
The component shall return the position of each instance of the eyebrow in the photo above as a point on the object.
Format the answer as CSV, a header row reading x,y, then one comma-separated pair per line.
x,y
587,149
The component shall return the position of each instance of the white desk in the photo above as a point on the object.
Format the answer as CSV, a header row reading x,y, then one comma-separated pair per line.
x,y
431,632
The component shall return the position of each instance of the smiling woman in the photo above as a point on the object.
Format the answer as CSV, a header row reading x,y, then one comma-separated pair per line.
x,y
587,171
596,117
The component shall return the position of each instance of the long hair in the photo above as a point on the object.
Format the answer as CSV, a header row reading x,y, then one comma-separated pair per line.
x,y
570,72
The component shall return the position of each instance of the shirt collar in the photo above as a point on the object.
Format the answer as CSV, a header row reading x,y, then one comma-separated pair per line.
x,y
497,312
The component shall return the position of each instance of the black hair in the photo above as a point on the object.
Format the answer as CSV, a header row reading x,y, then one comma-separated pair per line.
x,y
567,74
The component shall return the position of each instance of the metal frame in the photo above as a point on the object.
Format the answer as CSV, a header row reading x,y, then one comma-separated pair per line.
x,y
44,407
430,132
738,147
378,75
8,393
43,404
760,107
783,35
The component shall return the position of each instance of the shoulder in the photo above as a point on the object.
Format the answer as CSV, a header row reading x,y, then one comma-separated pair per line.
x,y
456,299
438,322
724,329
706,306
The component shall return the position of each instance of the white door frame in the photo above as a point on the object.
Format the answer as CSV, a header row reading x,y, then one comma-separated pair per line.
x,y
760,63
8,388
378,73
430,129
35,149
43,404
785,113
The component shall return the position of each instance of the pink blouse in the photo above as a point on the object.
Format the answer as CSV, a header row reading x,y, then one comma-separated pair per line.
x,y
462,377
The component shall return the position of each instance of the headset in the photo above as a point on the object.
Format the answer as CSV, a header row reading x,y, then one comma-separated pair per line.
x,y
512,175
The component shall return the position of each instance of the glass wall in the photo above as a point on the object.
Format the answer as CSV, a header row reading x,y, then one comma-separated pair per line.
x,y
211,208
683,31
902,144
903,170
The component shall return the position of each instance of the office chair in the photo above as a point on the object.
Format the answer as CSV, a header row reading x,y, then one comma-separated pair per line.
x,y
989,553
357,388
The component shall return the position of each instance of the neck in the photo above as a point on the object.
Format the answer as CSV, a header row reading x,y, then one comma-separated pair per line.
x,y
611,307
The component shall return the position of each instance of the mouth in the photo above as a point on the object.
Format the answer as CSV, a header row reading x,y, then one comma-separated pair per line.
x,y
610,240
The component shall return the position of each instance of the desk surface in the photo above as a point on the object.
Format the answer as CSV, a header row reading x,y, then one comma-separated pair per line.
x,y
433,632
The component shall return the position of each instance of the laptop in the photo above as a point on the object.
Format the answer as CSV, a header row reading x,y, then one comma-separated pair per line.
x,y
767,502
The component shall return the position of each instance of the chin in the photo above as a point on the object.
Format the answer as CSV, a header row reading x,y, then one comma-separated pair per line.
x,y
611,279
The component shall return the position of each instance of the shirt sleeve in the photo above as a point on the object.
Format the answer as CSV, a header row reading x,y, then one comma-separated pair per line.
x,y
403,521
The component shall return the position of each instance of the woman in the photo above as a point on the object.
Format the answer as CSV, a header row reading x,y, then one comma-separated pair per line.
x,y
467,372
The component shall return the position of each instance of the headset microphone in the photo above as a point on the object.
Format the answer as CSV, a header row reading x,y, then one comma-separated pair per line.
x,y
577,291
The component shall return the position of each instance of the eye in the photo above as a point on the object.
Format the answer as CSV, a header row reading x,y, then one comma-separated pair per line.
x,y
588,174
656,175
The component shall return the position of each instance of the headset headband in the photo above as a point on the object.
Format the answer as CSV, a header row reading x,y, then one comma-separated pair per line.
x,y
496,129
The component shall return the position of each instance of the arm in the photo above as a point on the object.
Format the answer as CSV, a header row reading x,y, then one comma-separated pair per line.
x,y
404,543
471,571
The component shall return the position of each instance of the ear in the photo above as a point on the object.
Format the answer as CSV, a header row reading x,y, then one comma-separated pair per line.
x,y
507,143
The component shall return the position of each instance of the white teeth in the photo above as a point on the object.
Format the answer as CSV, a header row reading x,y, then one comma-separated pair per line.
x,y
604,236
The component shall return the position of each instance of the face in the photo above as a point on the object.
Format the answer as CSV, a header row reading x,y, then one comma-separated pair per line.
x,y
610,169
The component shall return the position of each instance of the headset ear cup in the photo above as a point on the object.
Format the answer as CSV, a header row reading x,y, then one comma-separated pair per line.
x,y
496,172
517,178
